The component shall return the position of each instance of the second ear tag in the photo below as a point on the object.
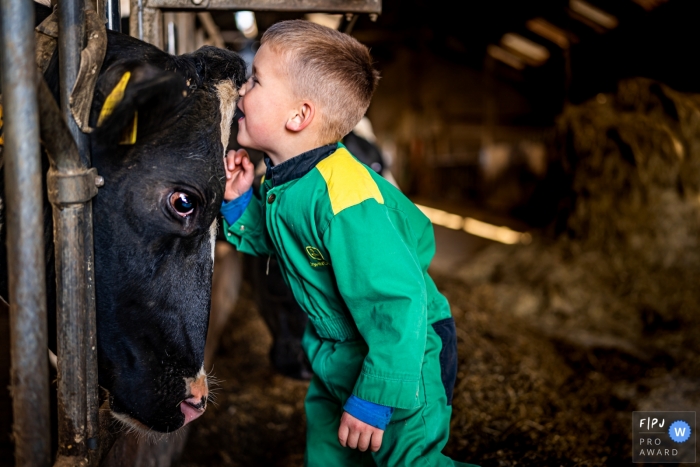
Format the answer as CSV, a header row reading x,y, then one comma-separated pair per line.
x,y
114,98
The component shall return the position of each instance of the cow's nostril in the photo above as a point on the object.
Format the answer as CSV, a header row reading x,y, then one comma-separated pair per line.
x,y
199,404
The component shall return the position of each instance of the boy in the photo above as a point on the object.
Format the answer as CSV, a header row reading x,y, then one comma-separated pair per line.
x,y
353,249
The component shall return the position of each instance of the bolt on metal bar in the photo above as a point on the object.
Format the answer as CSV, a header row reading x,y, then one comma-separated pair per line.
x,y
26,263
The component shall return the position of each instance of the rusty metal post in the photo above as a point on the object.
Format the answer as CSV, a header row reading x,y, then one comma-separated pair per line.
x,y
91,375
27,283
70,253
70,188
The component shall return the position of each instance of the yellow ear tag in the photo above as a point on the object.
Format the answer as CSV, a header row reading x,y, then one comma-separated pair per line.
x,y
129,135
114,98
2,135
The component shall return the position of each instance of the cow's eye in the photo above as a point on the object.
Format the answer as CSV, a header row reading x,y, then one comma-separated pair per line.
x,y
182,203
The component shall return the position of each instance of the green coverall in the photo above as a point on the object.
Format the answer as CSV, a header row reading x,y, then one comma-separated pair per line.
x,y
355,253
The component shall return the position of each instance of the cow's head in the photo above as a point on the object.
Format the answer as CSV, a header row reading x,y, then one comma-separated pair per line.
x,y
161,129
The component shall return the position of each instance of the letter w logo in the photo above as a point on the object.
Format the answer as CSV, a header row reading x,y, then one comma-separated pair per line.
x,y
680,431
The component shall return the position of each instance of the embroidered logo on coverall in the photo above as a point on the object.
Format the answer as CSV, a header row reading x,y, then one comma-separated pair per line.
x,y
315,254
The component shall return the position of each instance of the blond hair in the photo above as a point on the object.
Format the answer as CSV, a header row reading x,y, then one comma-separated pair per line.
x,y
330,68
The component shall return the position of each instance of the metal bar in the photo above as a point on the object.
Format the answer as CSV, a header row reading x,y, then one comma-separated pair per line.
x,y
136,20
70,280
212,29
26,264
64,159
90,349
71,30
69,238
185,30
113,14
91,375
146,23
327,6
59,144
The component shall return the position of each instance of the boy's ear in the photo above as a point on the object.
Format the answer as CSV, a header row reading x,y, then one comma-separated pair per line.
x,y
301,117
127,94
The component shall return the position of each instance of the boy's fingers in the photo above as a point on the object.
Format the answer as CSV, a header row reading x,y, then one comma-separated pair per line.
x,y
231,163
377,440
247,164
363,442
353,438
240,155
227,162
343,432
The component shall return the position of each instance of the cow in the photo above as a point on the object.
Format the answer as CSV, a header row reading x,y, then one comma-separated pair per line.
x,y
161,125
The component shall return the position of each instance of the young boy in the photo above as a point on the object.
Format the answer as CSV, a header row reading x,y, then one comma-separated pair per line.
x,y
353,249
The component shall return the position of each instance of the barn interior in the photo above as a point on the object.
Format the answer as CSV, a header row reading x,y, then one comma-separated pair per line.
x,y
553,145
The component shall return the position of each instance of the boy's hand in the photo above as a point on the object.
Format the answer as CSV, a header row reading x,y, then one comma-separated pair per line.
x,y
356,434
239,174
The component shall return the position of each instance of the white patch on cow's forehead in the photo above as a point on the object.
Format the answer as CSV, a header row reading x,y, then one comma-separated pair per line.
x,y
212,238
228,94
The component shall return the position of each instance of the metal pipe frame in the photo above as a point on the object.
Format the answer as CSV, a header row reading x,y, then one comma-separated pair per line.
x,y
146,19
113,15
77,354
68,186
69,248
26,263
325,6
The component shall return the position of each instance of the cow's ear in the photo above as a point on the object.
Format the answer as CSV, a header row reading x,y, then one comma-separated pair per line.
x,y
127,94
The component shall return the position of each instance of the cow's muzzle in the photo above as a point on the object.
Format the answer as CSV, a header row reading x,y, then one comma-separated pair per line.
x,y
196,403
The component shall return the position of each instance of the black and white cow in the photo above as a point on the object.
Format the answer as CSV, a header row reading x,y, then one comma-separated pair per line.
x,y
155,222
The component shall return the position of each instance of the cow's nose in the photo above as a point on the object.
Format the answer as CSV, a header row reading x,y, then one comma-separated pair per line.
x,y
195,405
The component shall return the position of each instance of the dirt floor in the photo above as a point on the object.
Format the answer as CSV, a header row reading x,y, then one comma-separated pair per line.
x,y
521,398
560,340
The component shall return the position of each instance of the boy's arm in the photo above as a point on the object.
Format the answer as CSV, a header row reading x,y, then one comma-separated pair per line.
x,y
382,284
247,233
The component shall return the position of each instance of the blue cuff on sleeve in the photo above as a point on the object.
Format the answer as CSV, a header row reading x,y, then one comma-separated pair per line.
x,y
372,414
234,209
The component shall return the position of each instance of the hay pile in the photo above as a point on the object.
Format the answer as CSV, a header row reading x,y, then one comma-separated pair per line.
x,y
564,338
